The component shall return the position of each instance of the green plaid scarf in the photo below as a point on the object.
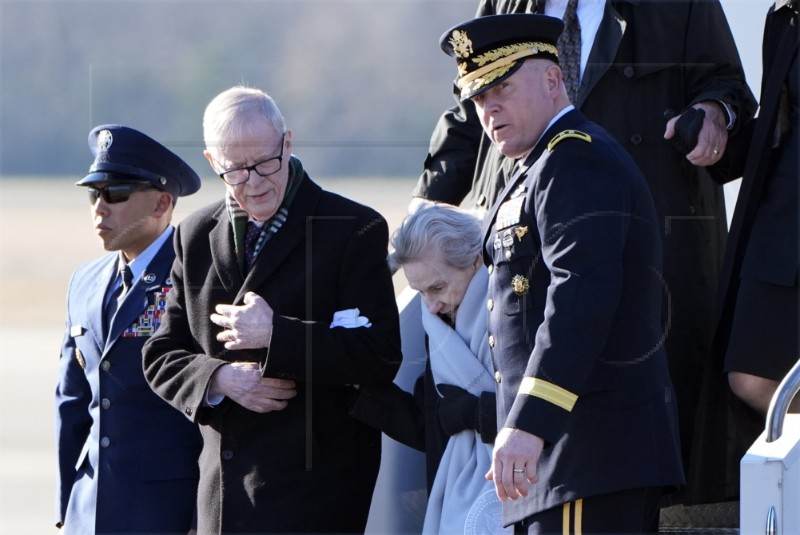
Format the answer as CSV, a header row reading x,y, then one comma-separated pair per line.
x,y
238,217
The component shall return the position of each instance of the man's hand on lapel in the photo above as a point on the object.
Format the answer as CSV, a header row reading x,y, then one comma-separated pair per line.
x,y
248,326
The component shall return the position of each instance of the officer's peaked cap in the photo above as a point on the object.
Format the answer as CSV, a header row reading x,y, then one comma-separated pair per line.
x,y
490,49
123,154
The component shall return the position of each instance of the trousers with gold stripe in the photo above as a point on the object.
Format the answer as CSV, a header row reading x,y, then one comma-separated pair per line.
x,y
633,511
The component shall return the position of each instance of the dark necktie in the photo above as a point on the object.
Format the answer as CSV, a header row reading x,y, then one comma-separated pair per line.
x,y
250,241
118,294
569,50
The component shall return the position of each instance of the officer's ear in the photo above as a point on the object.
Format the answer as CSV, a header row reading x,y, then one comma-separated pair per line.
x,y
553,76
165,203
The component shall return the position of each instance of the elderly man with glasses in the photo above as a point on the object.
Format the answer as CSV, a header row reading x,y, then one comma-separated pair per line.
x,y
127,461
283,304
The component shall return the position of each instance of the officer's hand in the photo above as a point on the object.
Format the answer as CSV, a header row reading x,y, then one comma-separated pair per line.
x,y
514,459
242,383
248,326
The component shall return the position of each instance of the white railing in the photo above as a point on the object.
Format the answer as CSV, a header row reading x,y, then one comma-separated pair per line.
x,y
770,471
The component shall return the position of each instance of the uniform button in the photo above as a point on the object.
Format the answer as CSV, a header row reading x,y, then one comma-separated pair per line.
x,y
227,455
636,139
490,268
491,341
187,411
105,365
481,200
628,72
105,442
490,304
508,255
105,403
692,209
497,377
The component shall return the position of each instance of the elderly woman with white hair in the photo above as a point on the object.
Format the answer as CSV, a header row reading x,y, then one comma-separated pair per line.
x,y
453,405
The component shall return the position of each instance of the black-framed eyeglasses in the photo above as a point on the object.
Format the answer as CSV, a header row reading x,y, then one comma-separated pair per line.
x,y
240,175
116,193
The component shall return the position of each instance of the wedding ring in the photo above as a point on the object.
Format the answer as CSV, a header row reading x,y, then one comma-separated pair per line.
x,y
519,470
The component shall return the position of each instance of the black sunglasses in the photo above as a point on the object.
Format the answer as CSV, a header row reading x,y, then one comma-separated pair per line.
x,y
116,193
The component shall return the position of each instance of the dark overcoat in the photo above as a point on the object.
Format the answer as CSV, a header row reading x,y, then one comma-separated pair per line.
x,y
651,59
764,237
127,460
310,467
575,329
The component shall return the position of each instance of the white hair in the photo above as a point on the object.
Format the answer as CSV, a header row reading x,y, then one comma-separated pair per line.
x,y
235,112
453,231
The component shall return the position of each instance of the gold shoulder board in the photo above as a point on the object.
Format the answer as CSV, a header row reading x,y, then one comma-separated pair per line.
x,y
566,134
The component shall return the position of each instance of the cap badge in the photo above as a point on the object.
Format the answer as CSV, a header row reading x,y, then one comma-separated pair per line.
x,y
462,46
520,285
104,140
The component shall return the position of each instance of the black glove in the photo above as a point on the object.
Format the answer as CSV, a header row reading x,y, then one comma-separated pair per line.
x,y
457,408
687,128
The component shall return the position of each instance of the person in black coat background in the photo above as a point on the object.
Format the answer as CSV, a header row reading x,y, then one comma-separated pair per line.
x,y
756,340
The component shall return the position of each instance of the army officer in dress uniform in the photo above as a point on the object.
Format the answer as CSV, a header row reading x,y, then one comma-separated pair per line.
x,y
586,410
127,460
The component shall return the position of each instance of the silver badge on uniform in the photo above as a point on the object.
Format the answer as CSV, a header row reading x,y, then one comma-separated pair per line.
x,y
149,278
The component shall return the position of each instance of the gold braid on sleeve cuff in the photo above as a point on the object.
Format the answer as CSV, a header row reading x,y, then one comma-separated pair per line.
x,y
534,386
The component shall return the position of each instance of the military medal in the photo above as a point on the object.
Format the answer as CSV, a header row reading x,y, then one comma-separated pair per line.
x,y
509,213
520,232
520,285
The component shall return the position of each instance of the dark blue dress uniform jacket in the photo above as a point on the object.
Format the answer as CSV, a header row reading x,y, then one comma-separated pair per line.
x,y
309,468
127,460
575,304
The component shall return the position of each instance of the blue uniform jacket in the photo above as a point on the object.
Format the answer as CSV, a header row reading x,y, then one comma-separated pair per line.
x,y
575,295
127,460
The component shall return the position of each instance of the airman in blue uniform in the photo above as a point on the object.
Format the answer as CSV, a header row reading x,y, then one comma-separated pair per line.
x,y
127,460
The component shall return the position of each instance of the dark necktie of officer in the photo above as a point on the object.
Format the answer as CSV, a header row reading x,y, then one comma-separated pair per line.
x,y
118,295
569,50
250,240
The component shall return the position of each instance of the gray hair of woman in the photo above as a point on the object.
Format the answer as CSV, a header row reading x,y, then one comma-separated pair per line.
x,y
235,112
438,226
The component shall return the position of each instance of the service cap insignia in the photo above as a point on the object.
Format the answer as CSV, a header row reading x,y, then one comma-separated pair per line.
x,y
104,140
462,46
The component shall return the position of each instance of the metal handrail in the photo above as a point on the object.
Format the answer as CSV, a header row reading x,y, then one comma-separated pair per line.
x,y
779,405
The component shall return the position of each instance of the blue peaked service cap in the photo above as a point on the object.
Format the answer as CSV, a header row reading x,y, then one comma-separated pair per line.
x,y
123,154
